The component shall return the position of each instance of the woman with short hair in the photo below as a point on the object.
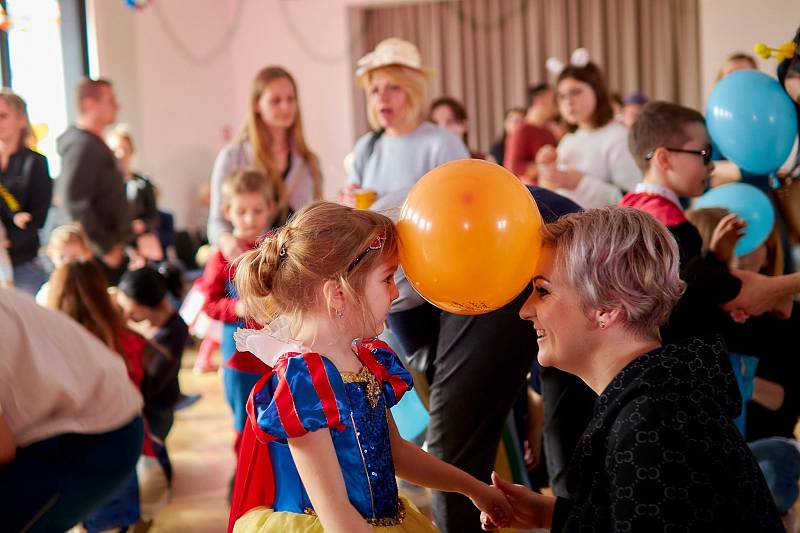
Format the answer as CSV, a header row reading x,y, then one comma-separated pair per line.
x,y
661,452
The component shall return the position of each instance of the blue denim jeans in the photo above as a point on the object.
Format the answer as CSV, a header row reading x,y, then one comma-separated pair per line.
x,y
29,276
779,459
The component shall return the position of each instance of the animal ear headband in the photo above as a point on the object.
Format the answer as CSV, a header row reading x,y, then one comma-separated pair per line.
x,y
579,58
784,51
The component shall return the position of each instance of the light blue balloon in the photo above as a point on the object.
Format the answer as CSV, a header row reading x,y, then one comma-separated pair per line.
x,y
751,205
752,120
410,416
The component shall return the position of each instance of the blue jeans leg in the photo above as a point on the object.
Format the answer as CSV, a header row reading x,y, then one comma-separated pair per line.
x,y
779,459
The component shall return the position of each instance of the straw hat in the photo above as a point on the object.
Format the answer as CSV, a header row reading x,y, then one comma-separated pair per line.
x,y
391,51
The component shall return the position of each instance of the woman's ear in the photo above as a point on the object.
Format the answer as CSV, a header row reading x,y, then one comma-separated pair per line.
x,y
606,318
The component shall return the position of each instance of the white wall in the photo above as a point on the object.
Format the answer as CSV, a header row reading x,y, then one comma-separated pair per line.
x,y
728,26
179,109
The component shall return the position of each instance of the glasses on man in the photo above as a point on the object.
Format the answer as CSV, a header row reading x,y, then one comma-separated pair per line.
x,y
705,153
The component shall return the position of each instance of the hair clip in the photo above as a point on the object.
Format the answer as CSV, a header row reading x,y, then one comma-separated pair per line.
x,y
376,244
785,51
282,253
579,58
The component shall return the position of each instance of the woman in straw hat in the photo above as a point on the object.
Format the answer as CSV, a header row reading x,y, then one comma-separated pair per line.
x,y
402,146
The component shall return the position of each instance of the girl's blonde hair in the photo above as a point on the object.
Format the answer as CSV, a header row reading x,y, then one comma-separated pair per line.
x,y
323,242
15,102
257,132
413,83
65,234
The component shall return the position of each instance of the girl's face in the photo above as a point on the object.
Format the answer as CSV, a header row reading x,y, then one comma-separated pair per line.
x,y
379,293
754,261
11,123
388,100
277,105
576,101
444,117
131,309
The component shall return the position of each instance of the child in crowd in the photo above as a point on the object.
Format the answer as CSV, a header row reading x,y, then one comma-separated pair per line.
x,y
249,205
320,419
67,243
769,384
671,146
142,296
79,289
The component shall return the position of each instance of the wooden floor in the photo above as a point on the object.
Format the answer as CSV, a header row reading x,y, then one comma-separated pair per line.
x,y
201,449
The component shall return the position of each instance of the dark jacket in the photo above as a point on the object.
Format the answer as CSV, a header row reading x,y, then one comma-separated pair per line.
x,y
92,190
28,188
141,195
661,453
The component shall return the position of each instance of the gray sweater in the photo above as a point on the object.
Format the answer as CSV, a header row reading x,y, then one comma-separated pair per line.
x,y
92,189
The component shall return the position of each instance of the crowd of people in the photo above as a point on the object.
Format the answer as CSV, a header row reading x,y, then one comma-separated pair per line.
x,y
647,368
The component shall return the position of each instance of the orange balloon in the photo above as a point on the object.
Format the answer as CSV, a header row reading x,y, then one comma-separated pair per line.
x,y
469,236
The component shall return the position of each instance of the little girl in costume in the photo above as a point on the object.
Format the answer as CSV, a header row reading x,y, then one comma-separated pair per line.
x,y
321,449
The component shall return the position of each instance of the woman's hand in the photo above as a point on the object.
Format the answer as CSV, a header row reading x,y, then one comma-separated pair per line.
x,y
230,246
531,510
493,504
347,195
21,219
726,235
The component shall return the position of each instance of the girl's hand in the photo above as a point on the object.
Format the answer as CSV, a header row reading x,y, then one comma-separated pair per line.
x,y
561,179
726,235
531,510
546,155
493,504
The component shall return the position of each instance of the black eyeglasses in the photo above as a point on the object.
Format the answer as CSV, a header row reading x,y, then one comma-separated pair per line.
x,y
705,153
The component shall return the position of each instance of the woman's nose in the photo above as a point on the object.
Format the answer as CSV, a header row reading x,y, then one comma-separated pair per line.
x,y
528,309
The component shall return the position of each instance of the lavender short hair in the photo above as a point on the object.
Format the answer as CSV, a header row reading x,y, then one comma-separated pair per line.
x,y
619,258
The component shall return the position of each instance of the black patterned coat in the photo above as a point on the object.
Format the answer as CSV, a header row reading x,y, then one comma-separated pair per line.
x,y
661,453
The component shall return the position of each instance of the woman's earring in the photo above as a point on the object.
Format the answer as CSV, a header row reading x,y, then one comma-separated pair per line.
x,y
602,325
339,313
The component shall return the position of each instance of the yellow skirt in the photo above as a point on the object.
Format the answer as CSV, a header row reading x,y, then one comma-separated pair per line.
x,y
264,520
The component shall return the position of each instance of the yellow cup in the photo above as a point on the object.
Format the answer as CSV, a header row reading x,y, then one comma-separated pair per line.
x,y
364,199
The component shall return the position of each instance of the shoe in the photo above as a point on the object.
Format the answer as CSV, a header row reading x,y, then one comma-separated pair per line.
x,y
187,401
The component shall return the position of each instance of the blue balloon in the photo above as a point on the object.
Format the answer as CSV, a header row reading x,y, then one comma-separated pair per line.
x,y
752,120
751,205
410,416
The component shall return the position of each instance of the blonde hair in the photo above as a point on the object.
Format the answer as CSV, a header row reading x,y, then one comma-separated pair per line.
x,y
320,243
257,132
247,181
63,235
122,132
706,221
17,103
413,83
619,258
